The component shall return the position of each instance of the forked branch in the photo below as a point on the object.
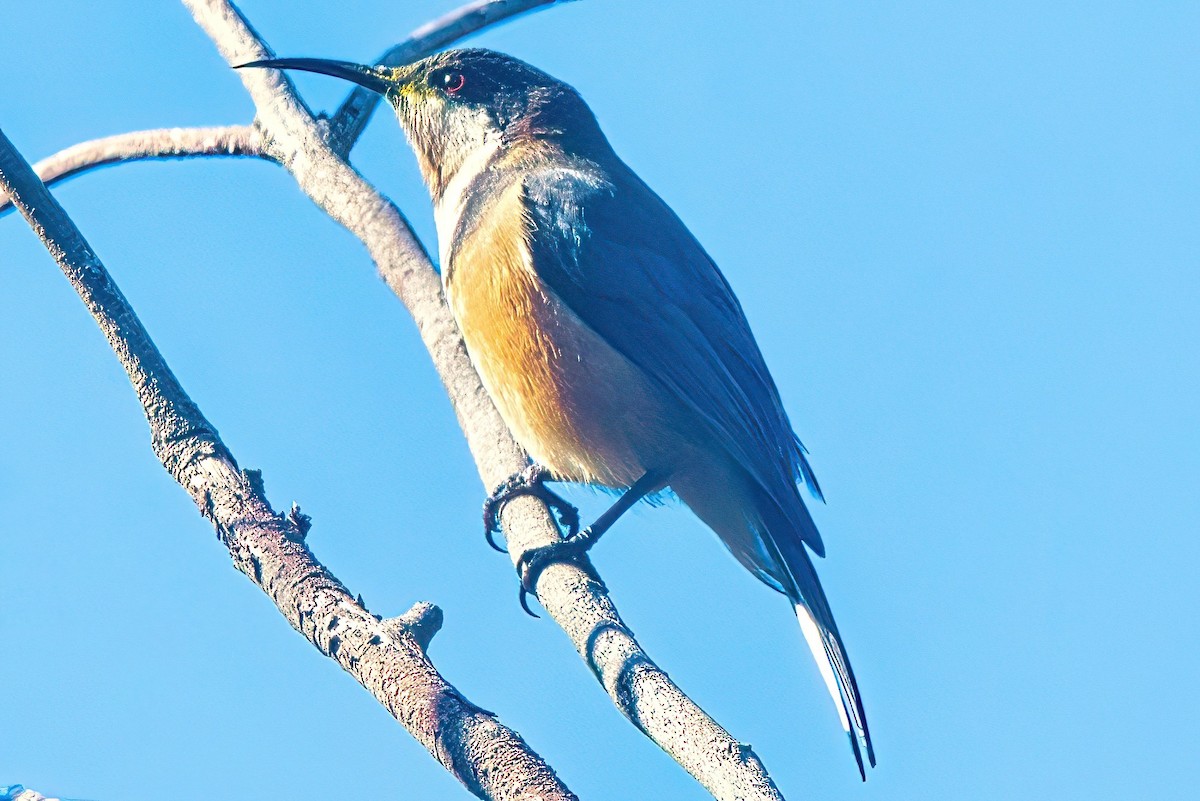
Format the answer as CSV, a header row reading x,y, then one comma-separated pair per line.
x,y
579,603
386,656
313,151
343,128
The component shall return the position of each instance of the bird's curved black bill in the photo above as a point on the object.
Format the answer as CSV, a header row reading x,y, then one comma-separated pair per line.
x,y
361,74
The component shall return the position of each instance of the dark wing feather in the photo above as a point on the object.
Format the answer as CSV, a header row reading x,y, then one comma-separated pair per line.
x,y
627,266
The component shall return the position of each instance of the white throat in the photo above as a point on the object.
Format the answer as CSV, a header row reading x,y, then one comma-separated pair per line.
x,y
448,210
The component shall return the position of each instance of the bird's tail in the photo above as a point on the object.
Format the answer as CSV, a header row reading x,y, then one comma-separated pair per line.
x,y
770,543
831,660
819,629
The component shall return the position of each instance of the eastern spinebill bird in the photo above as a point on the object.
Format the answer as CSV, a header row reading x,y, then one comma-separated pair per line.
x,y
609,341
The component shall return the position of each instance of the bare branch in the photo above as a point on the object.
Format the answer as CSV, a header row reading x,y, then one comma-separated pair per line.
x,y
492,761
578,602
160,143
347,124
344,127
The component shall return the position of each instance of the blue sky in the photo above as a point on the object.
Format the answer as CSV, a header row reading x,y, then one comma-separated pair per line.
x,y
966,238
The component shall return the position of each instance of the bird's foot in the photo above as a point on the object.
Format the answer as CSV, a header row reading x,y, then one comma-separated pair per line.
x,y
530,481
532,562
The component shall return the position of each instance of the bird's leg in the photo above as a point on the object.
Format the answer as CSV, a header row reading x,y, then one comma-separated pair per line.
x,y
532,562
530,481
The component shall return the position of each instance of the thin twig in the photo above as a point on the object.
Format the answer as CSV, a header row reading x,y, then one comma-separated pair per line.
x,y
344,128
385,656
160,143
579,603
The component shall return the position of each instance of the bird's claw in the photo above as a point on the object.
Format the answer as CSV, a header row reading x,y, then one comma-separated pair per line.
x,y
523,599
530,481
491,513
531,563
490,535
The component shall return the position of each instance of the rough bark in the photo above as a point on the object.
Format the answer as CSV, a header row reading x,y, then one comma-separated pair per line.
x,y
386,656
312,149
579,603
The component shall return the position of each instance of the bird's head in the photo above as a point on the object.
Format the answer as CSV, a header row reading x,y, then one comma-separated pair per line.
x,y
459,103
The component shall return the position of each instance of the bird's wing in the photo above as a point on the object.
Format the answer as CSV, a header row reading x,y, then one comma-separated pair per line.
x,y
628,267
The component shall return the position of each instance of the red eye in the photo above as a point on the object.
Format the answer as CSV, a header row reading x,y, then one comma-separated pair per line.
x,y
451,82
